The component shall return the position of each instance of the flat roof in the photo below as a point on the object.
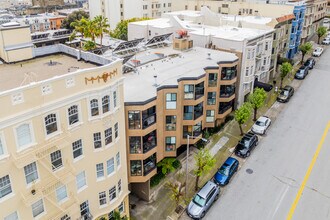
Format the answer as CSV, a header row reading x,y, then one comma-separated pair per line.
x,y
140,86
39,69
249,19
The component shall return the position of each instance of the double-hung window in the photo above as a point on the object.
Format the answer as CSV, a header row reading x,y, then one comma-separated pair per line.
x,y
105,104
112,193
23,133
118,159
97,140
5,186
81,180
51,123
61,193
114,99
102,198
37,208
188,91
171,101
108,136
12,216
99,170
110,166
56,160
116,130
31,172
73,114
94,104
119,186
77,148
2,147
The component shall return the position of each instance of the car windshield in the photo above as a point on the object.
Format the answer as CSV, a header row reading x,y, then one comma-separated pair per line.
x,y
260,123
241,146
285,92
245,142
200,201
224,170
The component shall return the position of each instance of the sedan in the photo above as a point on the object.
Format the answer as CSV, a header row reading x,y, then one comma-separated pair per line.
x,y
285,95
326,41
261,125
318,51
226,171
301,72
310,62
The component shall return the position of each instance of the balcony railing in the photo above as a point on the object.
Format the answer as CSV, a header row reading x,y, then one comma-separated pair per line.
x,y
223,109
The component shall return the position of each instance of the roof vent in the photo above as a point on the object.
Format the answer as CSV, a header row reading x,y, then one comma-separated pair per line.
x,y
209,56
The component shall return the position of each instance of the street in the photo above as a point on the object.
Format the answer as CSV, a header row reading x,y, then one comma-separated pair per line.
x,y
267,184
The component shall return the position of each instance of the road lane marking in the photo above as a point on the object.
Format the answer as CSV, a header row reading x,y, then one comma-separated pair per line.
x,y
280,201
310,168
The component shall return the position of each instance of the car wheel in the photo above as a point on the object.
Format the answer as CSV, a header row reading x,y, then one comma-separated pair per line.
x,y
216,197
202,216
248,154
264,132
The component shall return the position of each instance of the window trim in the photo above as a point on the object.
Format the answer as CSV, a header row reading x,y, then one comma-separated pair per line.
x,y
4,146
11,188
51,162
77,149
111,165
43,206
36,171
48,136
171,101
66,194
79,115
32,135
85,180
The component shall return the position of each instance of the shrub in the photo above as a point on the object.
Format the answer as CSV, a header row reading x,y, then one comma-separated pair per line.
x,y
176,164
283,60
155,180
200,144
229,118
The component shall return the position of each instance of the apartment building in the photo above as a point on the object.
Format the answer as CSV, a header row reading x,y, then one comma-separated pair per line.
x,y
252,46
117,10
170,94
62,136
47,3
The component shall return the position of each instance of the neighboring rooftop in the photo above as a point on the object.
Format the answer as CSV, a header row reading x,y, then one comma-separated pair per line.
x,y
38,69
170,66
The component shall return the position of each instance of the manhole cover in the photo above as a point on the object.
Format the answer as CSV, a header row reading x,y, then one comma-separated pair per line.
x,y
249,171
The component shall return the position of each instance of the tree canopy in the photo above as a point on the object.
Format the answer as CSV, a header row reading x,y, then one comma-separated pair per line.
x,y
74,16
242,115
120,32
257,100
305,49
204,163
321,31
285,69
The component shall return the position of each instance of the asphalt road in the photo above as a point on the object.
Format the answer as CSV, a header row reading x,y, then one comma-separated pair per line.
x,y
282,158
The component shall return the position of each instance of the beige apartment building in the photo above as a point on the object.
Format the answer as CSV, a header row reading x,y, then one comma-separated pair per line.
x,y
62,137
171,94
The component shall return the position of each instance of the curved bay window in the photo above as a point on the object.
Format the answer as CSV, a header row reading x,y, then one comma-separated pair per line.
x,y
149,141
136,168
73,114
135,145
94,107
148,117
198,110
134,121
199,90
224,106
228,73
149,164
227,90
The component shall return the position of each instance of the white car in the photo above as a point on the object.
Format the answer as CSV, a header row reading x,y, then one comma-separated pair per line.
x,y
261,125
326,41
318,51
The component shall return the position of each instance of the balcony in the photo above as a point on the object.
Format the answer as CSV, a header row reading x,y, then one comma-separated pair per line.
x,y
149,164
192,130
227,93
225,106
149,141
198,110
148,117
135,145
199,90
228,73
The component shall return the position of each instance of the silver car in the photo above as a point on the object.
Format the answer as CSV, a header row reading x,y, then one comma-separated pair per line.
x,y
203,200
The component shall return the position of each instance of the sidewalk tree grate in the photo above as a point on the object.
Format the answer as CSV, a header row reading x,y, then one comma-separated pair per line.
x,y
249,171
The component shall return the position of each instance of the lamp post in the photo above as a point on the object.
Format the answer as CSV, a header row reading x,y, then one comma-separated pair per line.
x,y
187,173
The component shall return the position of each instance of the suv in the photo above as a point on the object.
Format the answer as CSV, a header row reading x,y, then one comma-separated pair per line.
x,y
310,62
302,72
246,145
285,95
226,171
203,200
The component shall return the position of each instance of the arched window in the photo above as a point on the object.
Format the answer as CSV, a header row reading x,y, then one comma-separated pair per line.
x,y
51,123
73,114
94,107
105,104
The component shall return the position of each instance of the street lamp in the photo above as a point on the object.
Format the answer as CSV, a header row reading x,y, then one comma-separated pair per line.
x,y
188,136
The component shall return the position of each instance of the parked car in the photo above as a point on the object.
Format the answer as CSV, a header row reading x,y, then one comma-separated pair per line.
x,y
317,52
326,41
246,145
301,72
203,200
226,171
285,95
261,125
310,62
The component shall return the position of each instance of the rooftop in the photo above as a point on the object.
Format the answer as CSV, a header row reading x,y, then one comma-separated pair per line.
x,y
38,69
140,86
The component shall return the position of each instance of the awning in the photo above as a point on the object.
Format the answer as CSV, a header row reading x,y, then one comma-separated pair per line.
x,y
267,87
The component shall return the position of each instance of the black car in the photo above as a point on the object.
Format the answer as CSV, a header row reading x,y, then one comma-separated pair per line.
x,y
246,145
301,72
310,62
285,95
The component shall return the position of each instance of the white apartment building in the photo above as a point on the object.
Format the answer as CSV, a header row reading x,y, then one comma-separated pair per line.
x,y
117,10
252,46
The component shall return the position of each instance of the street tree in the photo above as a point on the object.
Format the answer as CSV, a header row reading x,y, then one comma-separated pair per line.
x,y
102,26
167,165
305,49
177,192
285,69
242,115
120,32
321,31
257,100
74,16
204,163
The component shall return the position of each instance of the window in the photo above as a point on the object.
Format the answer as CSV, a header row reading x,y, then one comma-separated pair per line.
x,y
84,210
198,110
105,104
199,90
97,140
5,186
188,91
227,90
247,71
2,147
77,148
118,159
61,193
99,170
112,193
31,172
23,133
81,180
12,216
37,208
65,217
108,136
190,130
135,145
114,99
149,164
110,166
51,123
73,114
121,208
170,143
136,168
119,186
56,160
149,141
116,130
213,77
170,123
102,198
209,115
211,98
171,101
148,117
94,107
134,121
188,112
